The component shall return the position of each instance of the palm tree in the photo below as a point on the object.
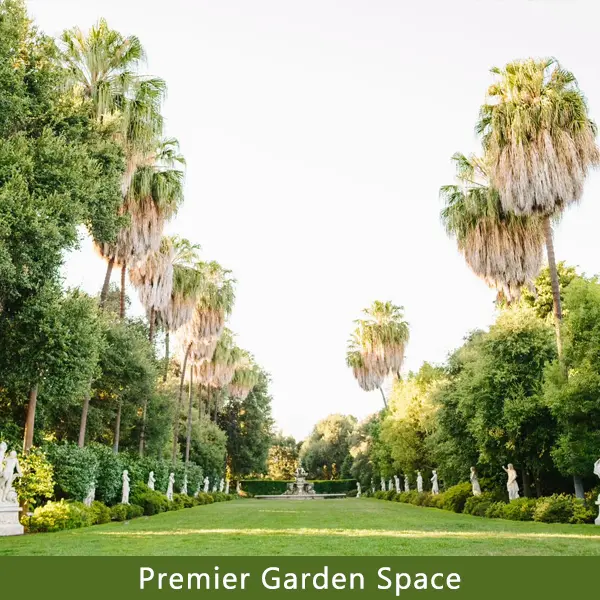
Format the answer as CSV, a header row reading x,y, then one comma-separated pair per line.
x,y
501,248
377,345
540,144
245,377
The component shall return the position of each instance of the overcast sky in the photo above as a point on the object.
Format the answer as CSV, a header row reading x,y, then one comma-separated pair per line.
x,y
317,135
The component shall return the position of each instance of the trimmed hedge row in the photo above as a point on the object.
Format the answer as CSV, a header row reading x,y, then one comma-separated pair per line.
x,y
273,487
55,516
559,508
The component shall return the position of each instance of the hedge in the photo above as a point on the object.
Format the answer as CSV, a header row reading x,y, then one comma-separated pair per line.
x,y
273,487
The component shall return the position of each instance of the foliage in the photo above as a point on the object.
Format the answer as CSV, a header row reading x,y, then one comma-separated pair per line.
x,y
37,482
478,505
560,508
100,513
521,509
456,496
151,501
282,460
55,516
75,470
124,512
109,474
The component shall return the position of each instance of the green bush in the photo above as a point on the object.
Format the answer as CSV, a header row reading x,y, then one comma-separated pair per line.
x,y
100,513
134,511
521,509
391,495
109,478
272,487
583,512
434,501
495,510
37,482
178,502
75,469
554,509
380,495
151,501
334,486
456,497
478,505
55,516
203,498
124,512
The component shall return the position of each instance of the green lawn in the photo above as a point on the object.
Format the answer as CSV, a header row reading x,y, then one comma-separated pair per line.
x,y
322,527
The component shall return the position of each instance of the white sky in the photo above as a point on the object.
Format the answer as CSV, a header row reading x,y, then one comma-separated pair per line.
x,y
317,135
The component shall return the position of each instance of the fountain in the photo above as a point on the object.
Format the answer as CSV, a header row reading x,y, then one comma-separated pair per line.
x,y
300,490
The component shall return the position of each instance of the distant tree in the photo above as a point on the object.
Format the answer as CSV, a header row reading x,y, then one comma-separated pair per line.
x,y
283,457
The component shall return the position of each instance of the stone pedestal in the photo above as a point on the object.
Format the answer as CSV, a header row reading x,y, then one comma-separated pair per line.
x,y
9,520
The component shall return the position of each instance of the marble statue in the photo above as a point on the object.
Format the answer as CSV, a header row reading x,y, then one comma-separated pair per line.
x,y
419,481
511,485
214,487
151,480
358,492
206,484
170,486
10,471
3,449
406,484
227,486
475,482
221,485
435,487
372,485
382,484
390,485
238,487
91,495
184,485
397,483
597,472
125,495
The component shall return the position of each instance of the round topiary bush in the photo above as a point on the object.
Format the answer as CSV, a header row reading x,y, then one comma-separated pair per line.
x,y
521,509
478,505
456,497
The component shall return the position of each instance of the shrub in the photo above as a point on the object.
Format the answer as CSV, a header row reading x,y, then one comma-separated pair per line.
x,y
521,509
124,512
267,487
37,482
583,512
203,498
478,505
380,495
353,494
435,501
100,513
109,477
456,497
391,495
75,470
495,510
554,509
55,516
151,501
178,502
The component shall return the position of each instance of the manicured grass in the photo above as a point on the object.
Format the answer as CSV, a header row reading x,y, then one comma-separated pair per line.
x,y
319,527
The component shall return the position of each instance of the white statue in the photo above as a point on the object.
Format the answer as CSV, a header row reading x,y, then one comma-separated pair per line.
x,y
227,486
406,484
358,491
419,481
3,449
397,483
475,482
91,495
170,486
221,485
151,480
435,488
198,489
10,471
382,484
511,485
238,487
597,472
184,485
214,487
372,485
390,485
206,484
125,496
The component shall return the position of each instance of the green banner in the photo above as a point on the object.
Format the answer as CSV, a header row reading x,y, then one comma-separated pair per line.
x,y
311,577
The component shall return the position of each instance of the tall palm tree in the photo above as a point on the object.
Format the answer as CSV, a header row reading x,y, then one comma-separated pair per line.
x,y
245,377
540,143
377,345
501,248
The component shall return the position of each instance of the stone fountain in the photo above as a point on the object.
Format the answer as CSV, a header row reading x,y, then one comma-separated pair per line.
x,y
300,490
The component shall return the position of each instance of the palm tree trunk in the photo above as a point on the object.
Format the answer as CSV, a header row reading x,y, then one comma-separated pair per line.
x,y
117,429
557,308
84,414
30,419
106,284
152,319
122,304
179,403
166,356
143,431
188,437
383,396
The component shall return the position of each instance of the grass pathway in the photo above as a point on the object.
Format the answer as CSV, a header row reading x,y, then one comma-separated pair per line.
x,y
312,528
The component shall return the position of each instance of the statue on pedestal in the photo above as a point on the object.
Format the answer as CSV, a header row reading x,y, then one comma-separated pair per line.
x,y
382,484
91,495
221,485
227,486
125,495
206,484
238,487
511,485
358,492
214,487
390,485
151,480
406,484
397,482
419,481
170,486
475,482
435,487
10,471
184,486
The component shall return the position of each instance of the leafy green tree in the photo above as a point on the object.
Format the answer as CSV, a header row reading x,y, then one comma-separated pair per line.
x,y
283,457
